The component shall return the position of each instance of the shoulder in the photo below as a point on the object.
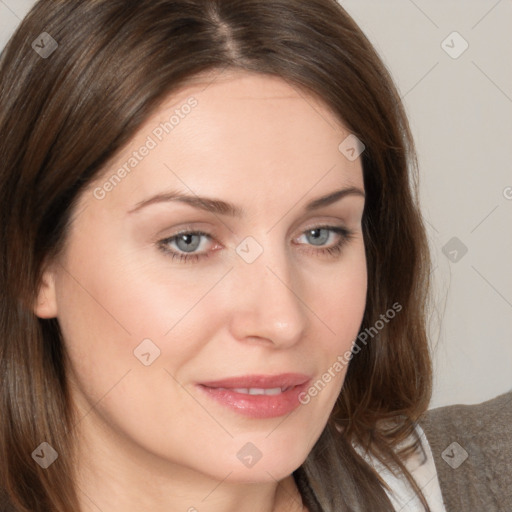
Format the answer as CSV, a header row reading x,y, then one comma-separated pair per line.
x,y
457,416
472,450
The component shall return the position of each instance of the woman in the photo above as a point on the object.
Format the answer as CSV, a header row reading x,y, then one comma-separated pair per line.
x,y
214,269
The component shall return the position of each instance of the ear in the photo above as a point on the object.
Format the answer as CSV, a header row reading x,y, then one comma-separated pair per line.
x,y
46,301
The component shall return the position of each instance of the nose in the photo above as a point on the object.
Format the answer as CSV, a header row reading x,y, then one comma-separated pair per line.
x,y
267,301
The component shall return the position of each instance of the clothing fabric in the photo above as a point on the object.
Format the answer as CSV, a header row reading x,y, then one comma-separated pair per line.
x,y
472,450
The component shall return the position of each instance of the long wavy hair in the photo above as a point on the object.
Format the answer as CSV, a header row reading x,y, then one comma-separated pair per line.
x,y
64,117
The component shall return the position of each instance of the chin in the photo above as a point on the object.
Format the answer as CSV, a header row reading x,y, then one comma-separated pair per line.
x,y
260,473
263,461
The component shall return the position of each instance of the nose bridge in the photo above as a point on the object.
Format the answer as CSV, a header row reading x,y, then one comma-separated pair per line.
x,y
267,303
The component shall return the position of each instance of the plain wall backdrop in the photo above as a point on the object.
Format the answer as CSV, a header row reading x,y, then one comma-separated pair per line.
x,y
451,62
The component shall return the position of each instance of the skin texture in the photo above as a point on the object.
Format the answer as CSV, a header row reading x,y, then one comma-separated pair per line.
x,y
150,440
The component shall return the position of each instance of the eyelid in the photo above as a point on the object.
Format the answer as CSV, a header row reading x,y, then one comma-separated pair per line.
x,y
344,234
190,229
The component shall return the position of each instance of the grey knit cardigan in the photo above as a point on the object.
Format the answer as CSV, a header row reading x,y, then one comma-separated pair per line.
x,y
472,448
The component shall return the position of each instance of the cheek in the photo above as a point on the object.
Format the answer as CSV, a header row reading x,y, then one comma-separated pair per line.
x,y
111,316
341,307
344,300
108,309
109,287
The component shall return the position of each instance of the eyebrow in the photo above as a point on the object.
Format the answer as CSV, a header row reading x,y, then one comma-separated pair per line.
x,y
220,207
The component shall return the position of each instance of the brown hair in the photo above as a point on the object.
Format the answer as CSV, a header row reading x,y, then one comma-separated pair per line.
x,y
62,118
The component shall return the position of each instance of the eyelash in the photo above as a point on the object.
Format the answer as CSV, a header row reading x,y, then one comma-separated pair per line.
x,y
333,251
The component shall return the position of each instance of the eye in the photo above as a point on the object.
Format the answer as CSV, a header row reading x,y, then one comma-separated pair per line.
x,y
186,242
183,246
320,235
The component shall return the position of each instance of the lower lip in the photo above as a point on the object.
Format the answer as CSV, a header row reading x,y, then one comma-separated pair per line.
x,y
257,406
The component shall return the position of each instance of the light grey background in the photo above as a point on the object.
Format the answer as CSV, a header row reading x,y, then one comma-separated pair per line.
x,y
460,110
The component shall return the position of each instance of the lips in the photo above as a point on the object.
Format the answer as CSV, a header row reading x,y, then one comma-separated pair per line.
x,y
258,396
283,381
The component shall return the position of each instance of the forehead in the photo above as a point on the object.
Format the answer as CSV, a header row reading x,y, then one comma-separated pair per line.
x,y
241,101
235,135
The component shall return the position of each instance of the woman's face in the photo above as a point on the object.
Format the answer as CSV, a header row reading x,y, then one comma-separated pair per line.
x,y
272,284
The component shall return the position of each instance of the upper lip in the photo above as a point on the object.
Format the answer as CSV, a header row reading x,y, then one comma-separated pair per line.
x,y
284,380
